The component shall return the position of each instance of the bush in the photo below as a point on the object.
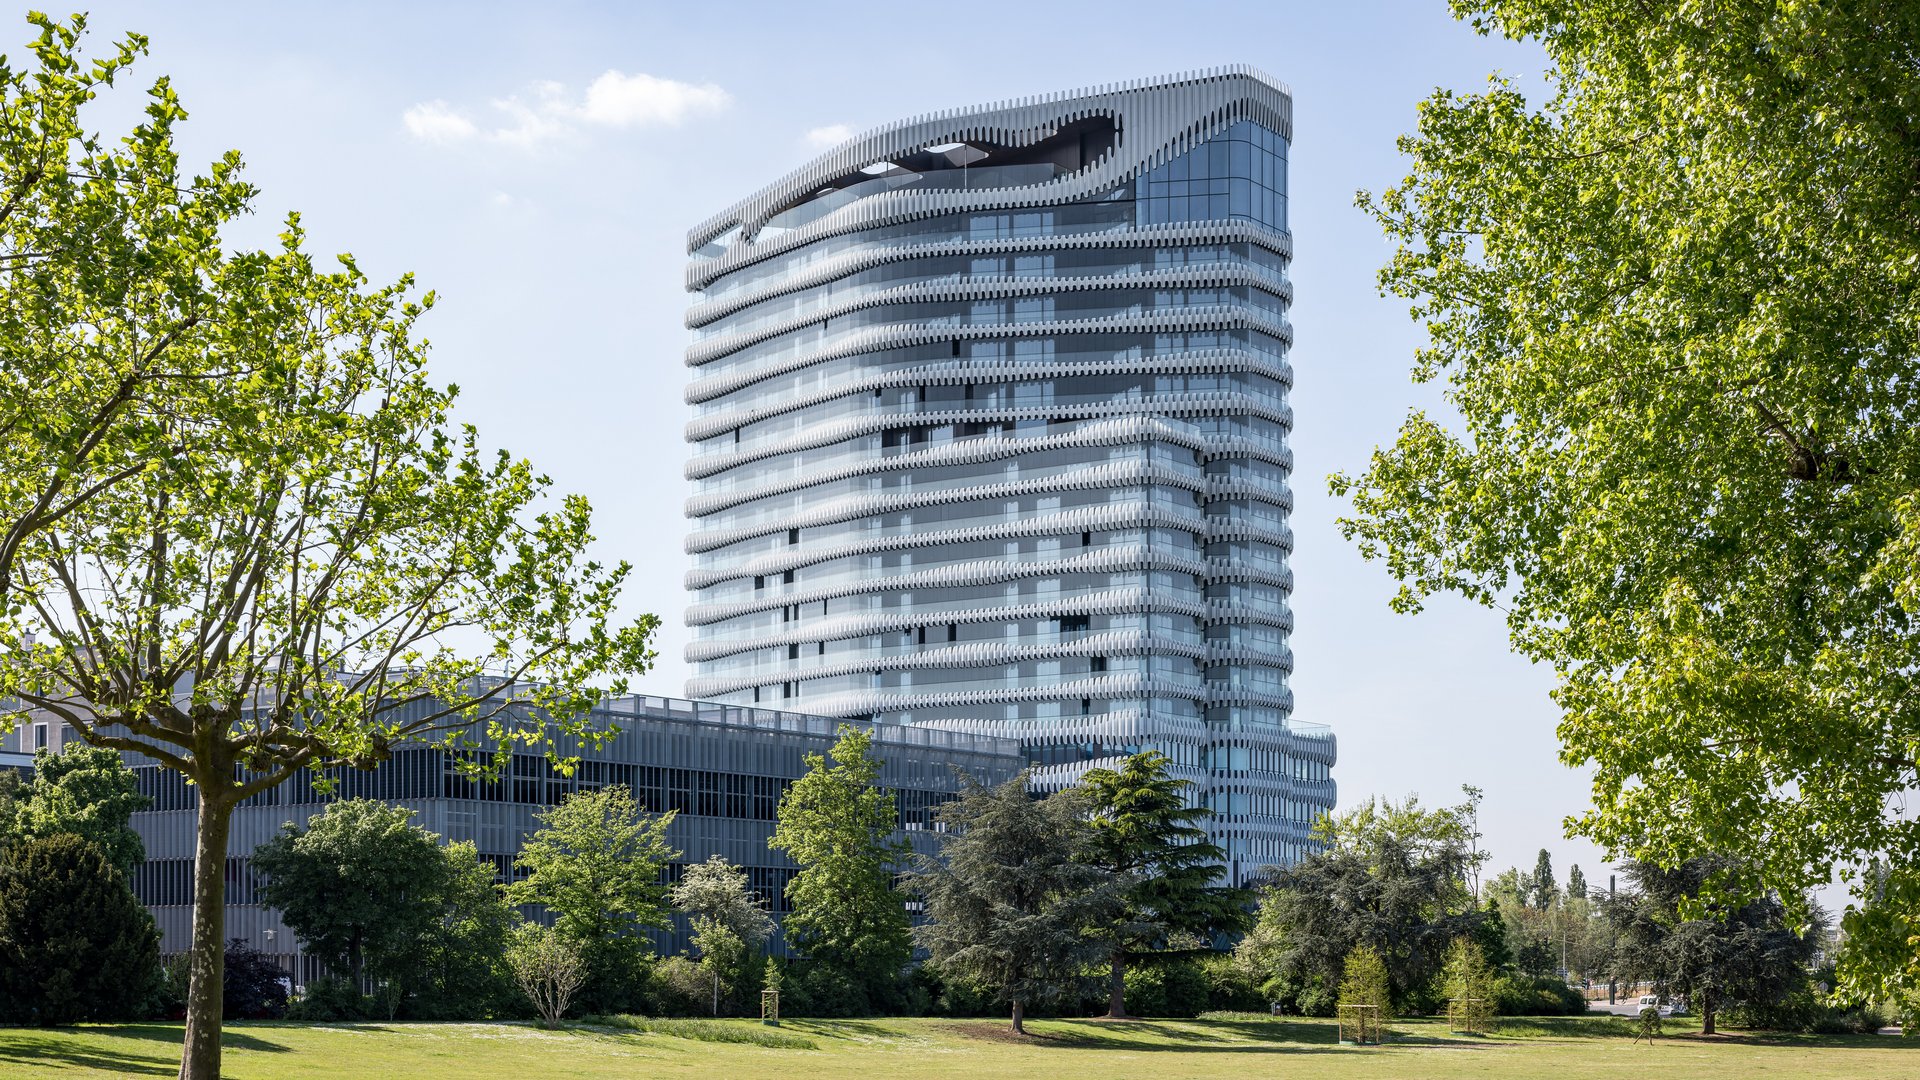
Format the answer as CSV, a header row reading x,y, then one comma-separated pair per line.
x,y
1229,989
1518,995
1175,988
330,999
74,943
1804,1010
254,986
678,986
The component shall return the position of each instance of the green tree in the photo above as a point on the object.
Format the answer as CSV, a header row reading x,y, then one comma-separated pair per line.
x,y
1469,987
595,864
1014,903
359,886
85,791
1148,832
1543,890
846,916
730,923
458,973
279,552
74,943
549,968
1716,954
1576,883
1363,982
1392,876
1673,306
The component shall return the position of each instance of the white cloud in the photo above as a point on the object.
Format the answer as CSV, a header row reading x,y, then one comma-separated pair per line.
x,y
831,135
435,121
548,111
618,100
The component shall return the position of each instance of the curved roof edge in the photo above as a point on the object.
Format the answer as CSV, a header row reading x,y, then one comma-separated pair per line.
x,y
881,142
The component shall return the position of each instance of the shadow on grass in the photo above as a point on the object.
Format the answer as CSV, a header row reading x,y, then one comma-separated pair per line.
x,y
77,1048
1147,1036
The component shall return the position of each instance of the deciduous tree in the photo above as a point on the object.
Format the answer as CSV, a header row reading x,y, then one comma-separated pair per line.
x,y
730,922
838,825
1674,305
85,791
595,864
240,532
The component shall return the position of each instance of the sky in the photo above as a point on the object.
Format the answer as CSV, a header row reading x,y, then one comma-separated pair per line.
x,y
538,167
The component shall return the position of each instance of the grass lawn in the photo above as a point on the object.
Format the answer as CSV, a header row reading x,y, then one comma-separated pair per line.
x,y
1226,1046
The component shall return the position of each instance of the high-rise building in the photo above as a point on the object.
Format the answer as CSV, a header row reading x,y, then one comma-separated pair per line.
x,y
991,434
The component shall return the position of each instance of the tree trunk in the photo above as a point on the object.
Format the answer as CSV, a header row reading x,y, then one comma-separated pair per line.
x,y
1117,988
1706,1014
207,958
1019,1017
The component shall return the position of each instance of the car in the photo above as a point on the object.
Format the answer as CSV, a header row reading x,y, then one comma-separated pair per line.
x,y
1652,1001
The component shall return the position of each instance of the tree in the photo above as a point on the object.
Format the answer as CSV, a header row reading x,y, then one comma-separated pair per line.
x,y
458,973
1543,891
549,968
595,865
84,791
255,986
1147,832
295,561
374,896
1363,982
730,922
360,885
74,943
1014,902
1469,987
1392,876
1673,306
846,916
1576,883
1714,953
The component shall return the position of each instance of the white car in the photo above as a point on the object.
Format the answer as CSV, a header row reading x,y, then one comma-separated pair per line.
x,y
1653,1001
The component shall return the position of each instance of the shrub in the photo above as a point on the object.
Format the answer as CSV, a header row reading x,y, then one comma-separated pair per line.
x,y
1175,988
680,987
330,1000
1520,995
1229,989
254,986
74,943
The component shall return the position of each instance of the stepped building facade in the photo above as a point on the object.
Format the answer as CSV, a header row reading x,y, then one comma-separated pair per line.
x,y
990,435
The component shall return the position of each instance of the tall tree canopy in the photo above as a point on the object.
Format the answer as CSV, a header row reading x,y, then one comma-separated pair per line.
x,y
240,532
86,791
1717,955
838,825
1676,306
596,864
1147,832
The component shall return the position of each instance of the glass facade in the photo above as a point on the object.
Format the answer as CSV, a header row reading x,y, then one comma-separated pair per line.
x,y
990,434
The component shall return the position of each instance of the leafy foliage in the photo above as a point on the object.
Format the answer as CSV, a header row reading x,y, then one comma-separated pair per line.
x,y
84,791
359,885
595,865
1392,877
255,986
1363,982
1013,902
1675,308
74,943
1745,954
730,924
847,916
1146,831
1470,988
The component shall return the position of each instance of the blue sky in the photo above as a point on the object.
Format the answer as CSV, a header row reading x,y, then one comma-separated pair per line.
x,y
539,165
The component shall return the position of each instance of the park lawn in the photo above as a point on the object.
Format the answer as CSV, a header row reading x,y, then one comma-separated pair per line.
x,y
1233,1046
